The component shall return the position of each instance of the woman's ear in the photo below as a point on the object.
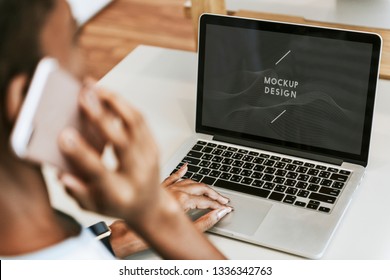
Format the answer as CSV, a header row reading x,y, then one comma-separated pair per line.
x,y
15,96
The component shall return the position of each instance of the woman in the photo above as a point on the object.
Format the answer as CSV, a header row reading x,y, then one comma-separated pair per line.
x,y
30,30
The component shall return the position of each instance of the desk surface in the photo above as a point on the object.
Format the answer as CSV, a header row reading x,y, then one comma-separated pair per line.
x,y
162,84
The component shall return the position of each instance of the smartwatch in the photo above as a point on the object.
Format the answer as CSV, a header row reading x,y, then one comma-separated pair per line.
x,y
103,233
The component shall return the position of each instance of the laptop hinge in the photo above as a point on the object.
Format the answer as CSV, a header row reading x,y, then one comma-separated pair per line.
x,y
281,150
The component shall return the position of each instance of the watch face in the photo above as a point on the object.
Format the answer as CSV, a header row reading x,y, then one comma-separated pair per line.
x,y
100,229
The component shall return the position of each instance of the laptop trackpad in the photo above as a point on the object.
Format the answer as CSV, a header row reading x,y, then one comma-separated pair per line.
x,y
247,216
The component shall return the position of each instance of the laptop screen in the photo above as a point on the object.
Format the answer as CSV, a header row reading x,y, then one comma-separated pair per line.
x,y
288,85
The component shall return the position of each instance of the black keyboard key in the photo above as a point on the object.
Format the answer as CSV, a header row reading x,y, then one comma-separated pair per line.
x,y
227,161
324,209
286,160
268,177
231,149
197,177
257,183
290,183
237,156
242,151
302,169
247,158
312,206
291,175
195,154
303,193
207,150
313,187
248,165
310,165
191,160
300,203
204,171
217,152
207,157
212,145
225,168
238,163
223,147
345,172
339,177
303,177
321,167
269,162
329,191
258,160
269,170
188,175
255,154
276,196
217,159
302,185
197,147
275,158
259,168
193,168
264,156
208,180
280,188
227,154
314,202
215,166
241,188
298,162
333,170
235,170
315,180
313,172
236,178
324,174
281,172
290,167
279,180
215,173
204,163
292,191
247,181
226,176
246,173
290,199
322,197
201,143
338,185
257,175
269,186
280,164
326,182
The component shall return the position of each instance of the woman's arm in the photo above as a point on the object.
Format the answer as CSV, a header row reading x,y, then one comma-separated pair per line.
x,y
131,191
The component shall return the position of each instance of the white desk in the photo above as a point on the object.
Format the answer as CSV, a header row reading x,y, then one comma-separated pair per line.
x,y
162,84
369,13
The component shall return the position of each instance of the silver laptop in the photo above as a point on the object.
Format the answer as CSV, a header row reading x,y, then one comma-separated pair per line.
x,y
283,123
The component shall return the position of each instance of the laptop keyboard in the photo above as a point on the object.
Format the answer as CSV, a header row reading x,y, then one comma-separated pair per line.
x,y
295,182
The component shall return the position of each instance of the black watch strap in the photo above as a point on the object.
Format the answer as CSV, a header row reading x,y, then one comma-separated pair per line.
x,y
103,233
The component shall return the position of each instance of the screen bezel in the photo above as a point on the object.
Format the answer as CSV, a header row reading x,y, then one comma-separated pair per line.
x,y
354,36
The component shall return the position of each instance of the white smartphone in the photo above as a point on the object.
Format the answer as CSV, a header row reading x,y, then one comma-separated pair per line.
x,y
51,104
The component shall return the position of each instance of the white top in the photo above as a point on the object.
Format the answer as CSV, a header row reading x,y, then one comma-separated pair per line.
x,y
82,247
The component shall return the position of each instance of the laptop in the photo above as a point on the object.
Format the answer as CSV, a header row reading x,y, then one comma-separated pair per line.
x,y
283,124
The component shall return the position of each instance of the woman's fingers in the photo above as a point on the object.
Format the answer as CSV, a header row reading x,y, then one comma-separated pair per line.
x,y
175,176
208,220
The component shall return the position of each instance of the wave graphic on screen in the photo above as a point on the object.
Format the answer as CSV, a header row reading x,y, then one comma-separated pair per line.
x,y
238,102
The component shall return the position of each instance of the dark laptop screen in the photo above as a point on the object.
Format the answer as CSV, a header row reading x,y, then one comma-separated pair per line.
x,y
289,85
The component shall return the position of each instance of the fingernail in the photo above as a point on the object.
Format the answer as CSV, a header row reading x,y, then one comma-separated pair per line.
x,y
68,180
223,212
183,170
68,138
91,101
